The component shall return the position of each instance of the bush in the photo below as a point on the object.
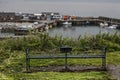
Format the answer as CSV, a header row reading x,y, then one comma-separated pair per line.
x,y
45,42
4,55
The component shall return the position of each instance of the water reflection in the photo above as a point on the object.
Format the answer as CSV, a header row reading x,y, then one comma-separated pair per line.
x,y
73,31
76,31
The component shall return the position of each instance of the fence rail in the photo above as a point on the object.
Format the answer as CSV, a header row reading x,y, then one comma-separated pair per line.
x,y
66,56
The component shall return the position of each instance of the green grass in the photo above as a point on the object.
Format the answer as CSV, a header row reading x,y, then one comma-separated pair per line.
x,y
62,76
46,62
13,62
113,58
4,77
13,68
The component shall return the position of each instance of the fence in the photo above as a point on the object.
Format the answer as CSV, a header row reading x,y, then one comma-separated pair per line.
x,y
66,50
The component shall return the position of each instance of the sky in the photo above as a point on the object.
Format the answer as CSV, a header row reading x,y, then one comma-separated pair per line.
x,y
95,8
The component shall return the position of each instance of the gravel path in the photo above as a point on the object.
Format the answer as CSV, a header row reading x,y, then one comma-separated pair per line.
x,y
114,70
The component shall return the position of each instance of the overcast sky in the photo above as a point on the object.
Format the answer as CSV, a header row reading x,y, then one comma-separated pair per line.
x,y
114,1
108,8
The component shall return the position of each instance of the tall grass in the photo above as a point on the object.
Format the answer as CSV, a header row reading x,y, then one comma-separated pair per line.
x,y
45,42
12,61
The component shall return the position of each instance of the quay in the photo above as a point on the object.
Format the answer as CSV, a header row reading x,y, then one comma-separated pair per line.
x,y
109,20
91,21
52,18
48,20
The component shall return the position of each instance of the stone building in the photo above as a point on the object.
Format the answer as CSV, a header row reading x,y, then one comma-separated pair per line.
x,y
9,16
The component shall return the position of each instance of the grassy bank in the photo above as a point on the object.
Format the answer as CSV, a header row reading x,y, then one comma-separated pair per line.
x,y
13,68
44,42
12,56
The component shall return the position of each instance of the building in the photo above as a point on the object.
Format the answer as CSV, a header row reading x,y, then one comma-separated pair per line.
x,y
9,16
49,15
66,17
56,17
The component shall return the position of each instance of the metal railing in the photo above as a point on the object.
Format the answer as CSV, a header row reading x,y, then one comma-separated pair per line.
x,y
66,50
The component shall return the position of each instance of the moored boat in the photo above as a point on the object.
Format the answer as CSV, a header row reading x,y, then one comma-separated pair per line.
x,y
67,23
113,26
103,24
21,30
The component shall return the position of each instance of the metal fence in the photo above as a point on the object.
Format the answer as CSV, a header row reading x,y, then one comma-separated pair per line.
x,y
66,50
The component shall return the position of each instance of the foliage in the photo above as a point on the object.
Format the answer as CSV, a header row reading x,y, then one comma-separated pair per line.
x,y
45,42
12,55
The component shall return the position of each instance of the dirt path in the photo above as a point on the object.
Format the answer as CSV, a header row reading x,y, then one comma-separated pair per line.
x,y
76,68
114,70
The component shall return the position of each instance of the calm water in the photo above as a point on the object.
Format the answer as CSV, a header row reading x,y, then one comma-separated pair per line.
x,y
76,31
73,32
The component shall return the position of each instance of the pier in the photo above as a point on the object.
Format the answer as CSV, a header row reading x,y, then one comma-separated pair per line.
x,y
45,24
80,22
109,20
91,21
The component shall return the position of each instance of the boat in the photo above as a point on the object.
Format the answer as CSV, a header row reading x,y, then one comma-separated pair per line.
x,y
67,24
103,24
21,30
113,26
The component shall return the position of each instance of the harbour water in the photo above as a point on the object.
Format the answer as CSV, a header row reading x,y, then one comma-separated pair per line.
x,y
73,31
80,31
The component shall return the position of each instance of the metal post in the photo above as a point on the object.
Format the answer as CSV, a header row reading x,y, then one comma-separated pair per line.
x,y
27,60
104,59
66,61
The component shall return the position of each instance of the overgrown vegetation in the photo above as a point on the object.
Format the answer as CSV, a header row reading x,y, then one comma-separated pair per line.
x,y
45,42
12,55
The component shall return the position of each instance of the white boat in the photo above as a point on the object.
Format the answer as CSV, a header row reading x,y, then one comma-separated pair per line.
x,y
103,24
113,26
26,26
67,23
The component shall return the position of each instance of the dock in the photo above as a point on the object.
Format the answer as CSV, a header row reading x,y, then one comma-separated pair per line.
x,y
82,21
91,21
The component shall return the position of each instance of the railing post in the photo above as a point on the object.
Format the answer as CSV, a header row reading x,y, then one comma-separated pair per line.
x,y
27,60
104,59
66,61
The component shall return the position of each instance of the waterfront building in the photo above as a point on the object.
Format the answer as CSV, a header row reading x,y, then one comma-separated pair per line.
x,y
8,16
56,17
49,15
66,17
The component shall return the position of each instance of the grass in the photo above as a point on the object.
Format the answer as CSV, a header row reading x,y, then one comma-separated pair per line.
x,y
62,76
13,68
113,58
4,77
43,62
13,62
